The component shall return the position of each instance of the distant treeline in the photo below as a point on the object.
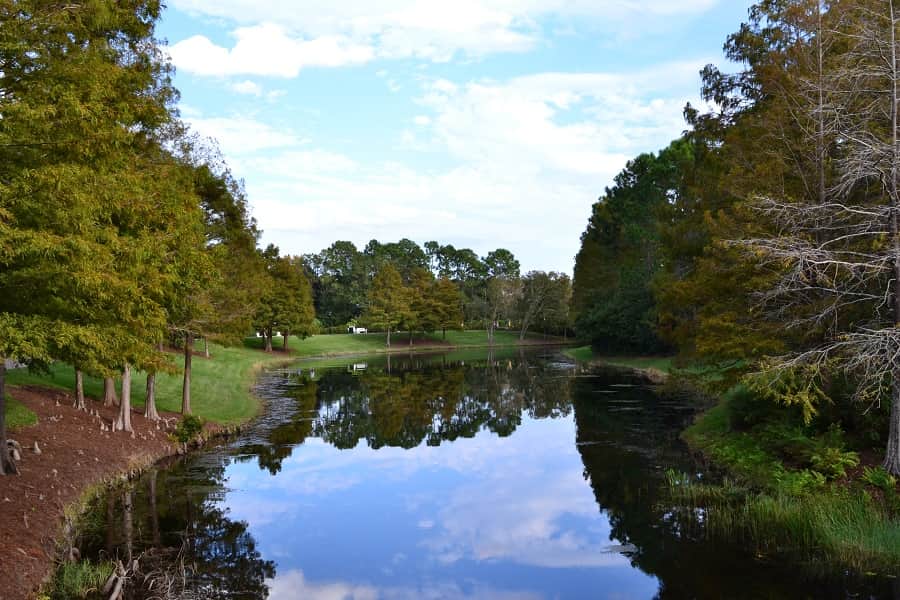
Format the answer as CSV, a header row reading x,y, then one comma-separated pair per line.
x,y
401,285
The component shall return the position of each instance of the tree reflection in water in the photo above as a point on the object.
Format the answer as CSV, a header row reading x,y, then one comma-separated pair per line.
x,y
625,441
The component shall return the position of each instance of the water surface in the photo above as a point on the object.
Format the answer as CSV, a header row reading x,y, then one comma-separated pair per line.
x,y
513,476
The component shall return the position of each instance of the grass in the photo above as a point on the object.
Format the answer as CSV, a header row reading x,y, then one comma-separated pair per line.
x,y
837,529
81,579
778,510
18,415
374,343
220,386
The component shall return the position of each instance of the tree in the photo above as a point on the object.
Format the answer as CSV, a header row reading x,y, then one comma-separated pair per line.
x,y
501,263
86,186
287,304
389,302
502,294
449,305
425,307
340,281
540,291
839,260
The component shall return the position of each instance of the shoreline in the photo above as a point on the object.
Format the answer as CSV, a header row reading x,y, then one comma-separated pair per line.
x,y
78,460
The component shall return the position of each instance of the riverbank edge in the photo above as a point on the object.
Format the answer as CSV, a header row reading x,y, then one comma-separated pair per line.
x,y
416,349
212,433
845,523
75,510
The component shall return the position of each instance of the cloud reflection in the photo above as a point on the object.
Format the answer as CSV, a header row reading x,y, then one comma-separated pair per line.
x,y
293,585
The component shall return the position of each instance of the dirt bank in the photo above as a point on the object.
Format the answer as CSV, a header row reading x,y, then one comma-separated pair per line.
x,y
75,456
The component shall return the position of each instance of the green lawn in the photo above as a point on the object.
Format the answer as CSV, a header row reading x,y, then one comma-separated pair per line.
x,y
17,415
219,388
340,344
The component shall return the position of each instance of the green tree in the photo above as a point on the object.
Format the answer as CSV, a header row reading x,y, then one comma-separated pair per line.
x,y
389,301
449,305
425,307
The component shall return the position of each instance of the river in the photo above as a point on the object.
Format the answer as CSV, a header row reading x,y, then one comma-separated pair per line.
x,y
508,475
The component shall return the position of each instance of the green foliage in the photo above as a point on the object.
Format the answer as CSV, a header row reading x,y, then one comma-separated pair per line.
x,y
389,300
798,387
747,408
82,579
878,477
834,462
188,428
613,291
842,529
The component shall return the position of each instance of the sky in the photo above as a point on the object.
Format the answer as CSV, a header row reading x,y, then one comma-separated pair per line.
x,y
483,124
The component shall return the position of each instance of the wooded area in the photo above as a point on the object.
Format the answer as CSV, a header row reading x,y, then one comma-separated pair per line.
x,y
769,233
120,230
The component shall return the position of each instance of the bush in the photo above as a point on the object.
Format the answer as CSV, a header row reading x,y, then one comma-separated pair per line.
x,y
834,462
188,428
879,478
746,409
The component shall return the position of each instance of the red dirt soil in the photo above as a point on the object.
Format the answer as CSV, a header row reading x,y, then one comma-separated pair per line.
x,y
75,455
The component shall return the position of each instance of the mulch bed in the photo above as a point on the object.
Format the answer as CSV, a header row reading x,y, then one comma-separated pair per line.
x,y
75,455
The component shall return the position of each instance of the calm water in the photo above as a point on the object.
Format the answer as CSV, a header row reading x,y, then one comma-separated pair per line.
x,y
503,477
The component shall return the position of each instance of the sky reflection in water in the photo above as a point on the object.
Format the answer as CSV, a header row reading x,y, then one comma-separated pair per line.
x,y
435,521
480,517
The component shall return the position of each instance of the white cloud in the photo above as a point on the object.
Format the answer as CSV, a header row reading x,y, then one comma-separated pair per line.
x,y
524,160
247,87
345,32
240,136
293,585
266,50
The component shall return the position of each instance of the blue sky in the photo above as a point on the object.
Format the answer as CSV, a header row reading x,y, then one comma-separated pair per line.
x,y
483,124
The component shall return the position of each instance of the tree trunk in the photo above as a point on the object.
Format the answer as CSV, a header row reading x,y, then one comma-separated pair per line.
x,y
444,330
284,339
150,411
109,392
206,346
186,387
267,333
892,457
388,337
410,338
79,390
7,464
892,454
123,421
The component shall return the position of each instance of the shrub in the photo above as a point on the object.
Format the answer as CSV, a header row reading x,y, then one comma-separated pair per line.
x,y
188,428
746,409
878,477
833,461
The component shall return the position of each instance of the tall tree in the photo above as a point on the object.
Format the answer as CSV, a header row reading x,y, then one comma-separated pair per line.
x,y
449,305
389,301
840,259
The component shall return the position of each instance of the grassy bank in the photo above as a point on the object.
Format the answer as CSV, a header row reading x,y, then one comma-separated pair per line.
x,y
18,415
793,491
374,343
220,386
